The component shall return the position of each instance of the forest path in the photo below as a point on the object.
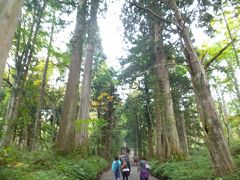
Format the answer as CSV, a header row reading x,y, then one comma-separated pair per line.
x,y
108,175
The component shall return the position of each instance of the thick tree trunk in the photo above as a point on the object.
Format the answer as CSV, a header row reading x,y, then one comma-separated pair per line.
x,y
64,142
162,149
216,142
83,113
42,89
108,140
182,132
166,97
9,13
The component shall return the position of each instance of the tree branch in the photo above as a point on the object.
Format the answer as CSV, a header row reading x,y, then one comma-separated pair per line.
x,y
155,14
8,82
206,66
204,56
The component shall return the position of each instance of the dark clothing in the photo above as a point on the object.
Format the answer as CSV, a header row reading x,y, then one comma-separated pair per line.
x,y
125,175
125,167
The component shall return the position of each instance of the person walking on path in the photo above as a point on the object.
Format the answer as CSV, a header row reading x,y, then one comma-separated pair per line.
x,y
144,169
116,164
125,167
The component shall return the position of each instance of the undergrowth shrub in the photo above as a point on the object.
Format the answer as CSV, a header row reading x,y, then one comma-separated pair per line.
x,y
48,166
196,166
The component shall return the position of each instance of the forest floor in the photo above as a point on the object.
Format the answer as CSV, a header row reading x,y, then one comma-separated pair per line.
x,y
108,175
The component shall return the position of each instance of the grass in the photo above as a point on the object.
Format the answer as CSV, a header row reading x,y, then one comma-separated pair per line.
x,y
49,166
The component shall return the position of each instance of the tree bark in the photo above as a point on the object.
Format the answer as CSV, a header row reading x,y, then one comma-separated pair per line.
x,y
219,151
83,113
64,142
182,132
166,98
162,149
149,119
9,13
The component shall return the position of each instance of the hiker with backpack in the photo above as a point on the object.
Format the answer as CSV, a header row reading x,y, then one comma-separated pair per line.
x,y
125,167
116,165
144,169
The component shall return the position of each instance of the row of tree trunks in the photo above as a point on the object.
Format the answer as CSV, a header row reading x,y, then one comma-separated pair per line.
x,y
66,134
215,140
22,66
83,113
9,13
42,89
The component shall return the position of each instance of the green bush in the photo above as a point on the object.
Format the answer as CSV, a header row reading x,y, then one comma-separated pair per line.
x,y
48,166
196,166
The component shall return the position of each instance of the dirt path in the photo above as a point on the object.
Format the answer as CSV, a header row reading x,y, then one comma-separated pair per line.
x,y
134,175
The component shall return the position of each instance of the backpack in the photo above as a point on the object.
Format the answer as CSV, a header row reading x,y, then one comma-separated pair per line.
x,y
143,173
124,164
116,166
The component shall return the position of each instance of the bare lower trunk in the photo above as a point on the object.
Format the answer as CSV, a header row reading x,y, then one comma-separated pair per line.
x,y
166,97
182,132
159,148
64,142
219,151
11,121
9,13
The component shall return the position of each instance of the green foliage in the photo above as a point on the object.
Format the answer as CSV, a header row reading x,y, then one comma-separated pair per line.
x,y
48,166
7,156
196,166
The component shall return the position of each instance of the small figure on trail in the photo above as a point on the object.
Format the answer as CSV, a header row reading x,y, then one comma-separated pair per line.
x,y
116,165
135,159
144,169
125,167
